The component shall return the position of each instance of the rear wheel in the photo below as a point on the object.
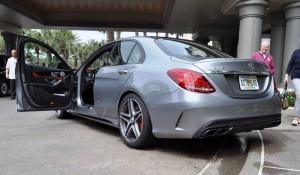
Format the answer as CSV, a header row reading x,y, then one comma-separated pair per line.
x,y
61,114
3,88
134,122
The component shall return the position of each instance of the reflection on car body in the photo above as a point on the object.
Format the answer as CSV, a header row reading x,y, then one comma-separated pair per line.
x,y
153,88
4,82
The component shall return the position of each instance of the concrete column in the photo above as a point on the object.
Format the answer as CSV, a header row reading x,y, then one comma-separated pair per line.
x,y
10,42
277,43
250,13
292,34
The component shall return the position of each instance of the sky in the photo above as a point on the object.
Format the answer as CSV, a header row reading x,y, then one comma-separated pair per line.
x,y
84,35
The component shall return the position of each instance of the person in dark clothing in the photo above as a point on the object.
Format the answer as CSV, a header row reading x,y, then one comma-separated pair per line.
x,y
293,70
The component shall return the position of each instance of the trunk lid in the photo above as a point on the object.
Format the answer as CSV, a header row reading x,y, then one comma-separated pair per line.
x,y
238,78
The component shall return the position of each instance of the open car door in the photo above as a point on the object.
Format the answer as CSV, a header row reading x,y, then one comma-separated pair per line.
x,y
46,82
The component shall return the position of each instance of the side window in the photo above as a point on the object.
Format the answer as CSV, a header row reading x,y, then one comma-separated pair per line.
x,y
39,56
120,53
126,48
115,57
136,55
101,60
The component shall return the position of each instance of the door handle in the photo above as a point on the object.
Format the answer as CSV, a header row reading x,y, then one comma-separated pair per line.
x,y
123,71
50,80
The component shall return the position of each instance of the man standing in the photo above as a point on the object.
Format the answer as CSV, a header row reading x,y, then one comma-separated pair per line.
x,y
10,73
264,56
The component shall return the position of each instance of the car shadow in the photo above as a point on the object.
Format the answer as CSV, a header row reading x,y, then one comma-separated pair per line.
x,y
227,147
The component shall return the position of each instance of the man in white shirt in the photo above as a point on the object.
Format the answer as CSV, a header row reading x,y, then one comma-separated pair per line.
x,y
10,73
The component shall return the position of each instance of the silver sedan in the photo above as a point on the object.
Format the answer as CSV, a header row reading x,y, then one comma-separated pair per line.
x,y
151,88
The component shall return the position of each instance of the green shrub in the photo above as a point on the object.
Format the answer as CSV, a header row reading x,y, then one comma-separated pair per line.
x,y
291,97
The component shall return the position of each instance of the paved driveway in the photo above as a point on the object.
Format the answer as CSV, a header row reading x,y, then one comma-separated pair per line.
x,y
38,143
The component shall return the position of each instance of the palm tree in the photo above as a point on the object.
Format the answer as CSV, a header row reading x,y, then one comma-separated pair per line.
x,y
65,40
179,35
78,51
2,45
37,35
110,36
118,35
48,37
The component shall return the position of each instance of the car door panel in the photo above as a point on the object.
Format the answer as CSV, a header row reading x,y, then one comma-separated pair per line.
x,y
108,84
42,87
111,79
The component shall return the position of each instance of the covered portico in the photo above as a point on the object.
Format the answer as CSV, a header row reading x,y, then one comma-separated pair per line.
x,y
239,25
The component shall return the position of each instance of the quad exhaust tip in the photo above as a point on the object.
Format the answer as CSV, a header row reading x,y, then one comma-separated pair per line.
x,y
225,130
216,132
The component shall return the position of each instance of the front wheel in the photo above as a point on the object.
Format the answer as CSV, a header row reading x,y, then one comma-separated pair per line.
x,y
134,122
61,114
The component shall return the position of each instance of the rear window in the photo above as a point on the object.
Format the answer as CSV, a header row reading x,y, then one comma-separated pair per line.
x,y
187,50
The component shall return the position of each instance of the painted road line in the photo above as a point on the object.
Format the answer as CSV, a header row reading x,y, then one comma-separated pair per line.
x,y
278,168
213,158
262,154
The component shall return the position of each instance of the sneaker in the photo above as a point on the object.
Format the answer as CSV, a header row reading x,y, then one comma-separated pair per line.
x,y
295,122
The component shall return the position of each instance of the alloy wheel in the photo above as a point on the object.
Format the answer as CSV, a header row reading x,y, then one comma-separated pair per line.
x,y
3,88
131,120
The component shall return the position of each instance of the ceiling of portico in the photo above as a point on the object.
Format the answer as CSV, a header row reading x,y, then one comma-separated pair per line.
x,y
174,16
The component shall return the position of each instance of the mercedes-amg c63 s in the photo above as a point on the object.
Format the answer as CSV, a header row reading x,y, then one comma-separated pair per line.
x,y
151,88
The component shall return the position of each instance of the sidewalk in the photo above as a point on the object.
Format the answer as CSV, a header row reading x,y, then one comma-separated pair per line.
x,y
277,152
286,119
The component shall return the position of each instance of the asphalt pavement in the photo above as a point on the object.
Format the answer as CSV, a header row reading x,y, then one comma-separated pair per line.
x,y
278,150
38,143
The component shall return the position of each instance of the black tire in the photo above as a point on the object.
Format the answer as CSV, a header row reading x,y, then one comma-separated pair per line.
x,y
134,122
3,88
61,114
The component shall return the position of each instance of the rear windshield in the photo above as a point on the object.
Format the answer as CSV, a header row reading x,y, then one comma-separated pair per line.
x,y
188,50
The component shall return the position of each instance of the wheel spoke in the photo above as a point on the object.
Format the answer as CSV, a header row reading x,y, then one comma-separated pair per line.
x,y
136,130
131,108
128,129
125,116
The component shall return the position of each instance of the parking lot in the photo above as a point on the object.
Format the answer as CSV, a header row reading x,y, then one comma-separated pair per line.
x,y
38,143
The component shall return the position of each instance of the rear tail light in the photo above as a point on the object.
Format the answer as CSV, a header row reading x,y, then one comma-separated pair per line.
x,y
191,80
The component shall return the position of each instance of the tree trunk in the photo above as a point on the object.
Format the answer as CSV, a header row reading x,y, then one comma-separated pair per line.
x,y
118,35
110,36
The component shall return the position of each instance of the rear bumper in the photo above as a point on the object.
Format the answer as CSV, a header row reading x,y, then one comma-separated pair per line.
x,y
191,115
232,126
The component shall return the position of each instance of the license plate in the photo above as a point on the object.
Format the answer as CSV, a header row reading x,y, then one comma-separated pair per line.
x,y
248,82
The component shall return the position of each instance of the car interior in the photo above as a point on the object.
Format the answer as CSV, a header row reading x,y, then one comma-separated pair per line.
x,y
89,75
